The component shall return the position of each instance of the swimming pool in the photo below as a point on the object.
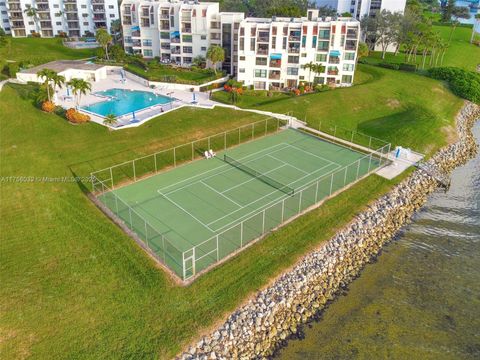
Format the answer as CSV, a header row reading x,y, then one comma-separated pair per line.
x,y
120,102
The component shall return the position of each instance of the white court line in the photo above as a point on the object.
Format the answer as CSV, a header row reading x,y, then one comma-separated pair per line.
x,y
253,178
309,153
253,202
219,193
217,168
287,163
181,208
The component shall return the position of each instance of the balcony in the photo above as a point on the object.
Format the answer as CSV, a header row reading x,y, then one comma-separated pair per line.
x,y
98,18
18,25
136,33
16,16
136,43
332,71
350,45
43,8
45,25
15,7
127,21
100,10
274,75
261,51
70,8
294,38
73,25
175,40
333,60
294,50
164,16
187,30
176,51
352,33
263,39
275,63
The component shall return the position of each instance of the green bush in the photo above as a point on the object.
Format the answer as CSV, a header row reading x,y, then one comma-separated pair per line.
x,y
463,83
408,67
389,66
11,69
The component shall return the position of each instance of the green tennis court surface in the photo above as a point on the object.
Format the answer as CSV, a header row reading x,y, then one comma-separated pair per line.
x,y
205,210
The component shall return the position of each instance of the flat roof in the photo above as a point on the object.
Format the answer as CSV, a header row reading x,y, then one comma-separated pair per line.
x,y
62,65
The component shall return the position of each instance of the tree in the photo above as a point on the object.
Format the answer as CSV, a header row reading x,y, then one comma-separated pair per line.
x,y
318,69
30,11
110,120
346,14
104,39
476,24
310,67
325,11
458,12
48,76
215,54
368,25
447,10
116,30
79,88
199,61
3,38
57,81
363,50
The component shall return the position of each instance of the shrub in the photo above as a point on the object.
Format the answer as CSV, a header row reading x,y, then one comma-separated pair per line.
x,y
463,83
76,117
11,69
408,67
389,66
48,106
321,87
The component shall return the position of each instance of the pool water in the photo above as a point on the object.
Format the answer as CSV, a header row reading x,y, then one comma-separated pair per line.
x,y
120,102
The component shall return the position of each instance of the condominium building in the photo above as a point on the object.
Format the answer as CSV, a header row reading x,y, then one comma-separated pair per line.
x,y
178,31
360,8
49,18
273,52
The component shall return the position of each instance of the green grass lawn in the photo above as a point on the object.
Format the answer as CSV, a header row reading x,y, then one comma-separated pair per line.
x,y
74,285
165,73
41,50
460,52
397,106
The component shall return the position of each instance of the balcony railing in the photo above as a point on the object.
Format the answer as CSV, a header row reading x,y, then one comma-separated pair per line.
x,y
262,51
136,33
263,39
294,50
294,38
274,76
275,63
175,40
332,72
176,51
333,60
187,30
136,44
352,34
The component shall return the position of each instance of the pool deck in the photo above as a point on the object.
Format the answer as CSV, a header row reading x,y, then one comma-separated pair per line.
x,y
114,80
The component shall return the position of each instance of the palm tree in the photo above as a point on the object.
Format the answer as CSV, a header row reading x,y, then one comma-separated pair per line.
x,y
57,81
104,39
48,76
32,12
79,88
477,20
110,120
215,54
309,66
318,69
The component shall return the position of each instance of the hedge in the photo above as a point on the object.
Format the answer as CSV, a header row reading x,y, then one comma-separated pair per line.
x,y
463,83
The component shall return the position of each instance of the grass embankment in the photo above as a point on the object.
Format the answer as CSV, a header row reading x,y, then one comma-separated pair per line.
x,y
396,106
165,73
41,50
460,53
74,285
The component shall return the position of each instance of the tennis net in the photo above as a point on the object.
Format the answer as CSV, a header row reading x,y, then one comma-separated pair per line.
x,y
258,175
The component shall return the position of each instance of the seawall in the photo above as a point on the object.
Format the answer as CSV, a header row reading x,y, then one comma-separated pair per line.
x,y
257,328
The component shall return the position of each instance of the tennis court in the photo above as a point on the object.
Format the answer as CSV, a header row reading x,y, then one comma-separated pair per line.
x,y
198,213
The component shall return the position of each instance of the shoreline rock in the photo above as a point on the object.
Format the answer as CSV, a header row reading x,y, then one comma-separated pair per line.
x,y
258,328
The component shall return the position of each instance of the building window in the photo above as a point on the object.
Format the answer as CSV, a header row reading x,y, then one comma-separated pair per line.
x,y
204,12
56,6
304,41
260,61
323,45
274,42
242,58
59,23
321,57
347,79
84,6
203,37
292,71
188,49
84,15
252,44
260,73
348,67
293,59
127,39
304,54
187,38
112,15
314,42
203,48
324,34
242,71
31,23
147,53
259,85
111,6
284,44
349,56
242,44
147,42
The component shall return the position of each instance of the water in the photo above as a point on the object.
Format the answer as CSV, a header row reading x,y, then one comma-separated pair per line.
x,y
421,299
471,20
120,102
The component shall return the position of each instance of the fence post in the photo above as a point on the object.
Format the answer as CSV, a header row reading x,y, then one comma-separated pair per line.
x,y
193,151
266,124
111,178
345,176
283,210
217,249
130,214
174,157
225,141
331,184
369,162
358,169
263,222
253,131
134,172
300,202
316,192
370,143
164,250
239,136
146,233
241,234
351,140
116,203
155,160
335,131
209,143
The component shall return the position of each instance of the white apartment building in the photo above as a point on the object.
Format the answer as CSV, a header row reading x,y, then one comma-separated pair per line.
x,y
360,8
4,20
272,52
73,18
178,31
